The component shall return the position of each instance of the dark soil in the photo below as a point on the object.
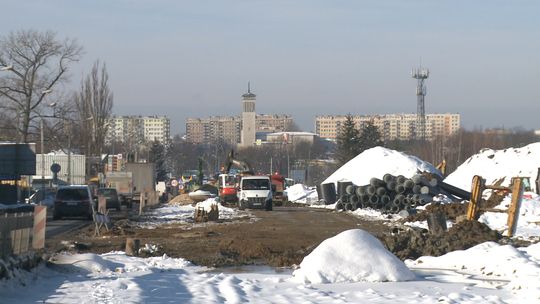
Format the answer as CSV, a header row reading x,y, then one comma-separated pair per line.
x,y
414,243
282,237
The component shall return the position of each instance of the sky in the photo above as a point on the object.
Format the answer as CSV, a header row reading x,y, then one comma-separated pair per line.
x,y
303,58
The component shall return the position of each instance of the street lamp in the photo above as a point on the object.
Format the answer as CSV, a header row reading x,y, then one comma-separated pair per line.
x,y
43,151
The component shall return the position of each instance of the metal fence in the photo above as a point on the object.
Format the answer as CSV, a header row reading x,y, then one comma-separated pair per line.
x,y
15,233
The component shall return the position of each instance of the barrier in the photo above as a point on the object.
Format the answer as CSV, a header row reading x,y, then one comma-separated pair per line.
x,y
15,233
40,220
479,185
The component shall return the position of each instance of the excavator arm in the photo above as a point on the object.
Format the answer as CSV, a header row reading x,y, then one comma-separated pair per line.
x,y
242,165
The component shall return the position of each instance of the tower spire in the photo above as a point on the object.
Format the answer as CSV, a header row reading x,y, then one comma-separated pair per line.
x,y
249,87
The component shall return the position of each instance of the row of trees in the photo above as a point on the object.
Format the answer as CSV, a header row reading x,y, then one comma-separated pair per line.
x,y
34,66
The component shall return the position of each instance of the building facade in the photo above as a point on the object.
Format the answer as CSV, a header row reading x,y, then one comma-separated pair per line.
x,y
391,126
138,130
236,130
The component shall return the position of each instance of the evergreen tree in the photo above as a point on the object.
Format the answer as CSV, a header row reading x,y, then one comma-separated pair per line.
x,y
157,156
348,141
370,137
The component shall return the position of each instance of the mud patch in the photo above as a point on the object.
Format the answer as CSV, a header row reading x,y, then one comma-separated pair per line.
x,y
414,243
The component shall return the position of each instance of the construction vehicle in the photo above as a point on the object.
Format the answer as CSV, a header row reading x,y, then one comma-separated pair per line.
x,y
278,188
123,183
228,182
255,192
143,177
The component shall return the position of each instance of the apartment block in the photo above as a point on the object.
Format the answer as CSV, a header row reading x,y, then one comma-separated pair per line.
x,y
391,126
228,128
138,129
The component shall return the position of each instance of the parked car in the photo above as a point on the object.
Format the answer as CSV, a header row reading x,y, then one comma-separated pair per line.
x,y
73,201
111,195
43,196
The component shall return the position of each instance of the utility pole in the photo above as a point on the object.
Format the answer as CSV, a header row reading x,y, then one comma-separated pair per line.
x,y
42,161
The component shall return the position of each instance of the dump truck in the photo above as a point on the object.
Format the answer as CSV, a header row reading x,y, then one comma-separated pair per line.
x,y
143,176
123,183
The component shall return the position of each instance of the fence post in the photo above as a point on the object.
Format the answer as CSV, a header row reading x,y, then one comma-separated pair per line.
x,y
476,197
513,211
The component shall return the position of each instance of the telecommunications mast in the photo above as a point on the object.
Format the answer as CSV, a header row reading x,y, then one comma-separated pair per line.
x,y
420,75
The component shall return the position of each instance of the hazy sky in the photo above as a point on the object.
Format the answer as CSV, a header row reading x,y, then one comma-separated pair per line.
x,y
304,57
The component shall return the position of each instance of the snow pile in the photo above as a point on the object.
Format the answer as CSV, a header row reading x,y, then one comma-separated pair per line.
x,y
175,213
376,162
352,256
496,164
208,203
299,193
490,260
528,220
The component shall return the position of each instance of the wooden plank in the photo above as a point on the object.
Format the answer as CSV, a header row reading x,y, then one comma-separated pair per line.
x,y
513,211
476,197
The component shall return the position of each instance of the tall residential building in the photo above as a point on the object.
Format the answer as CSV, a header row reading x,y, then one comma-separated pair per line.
x,y
391,126
136,130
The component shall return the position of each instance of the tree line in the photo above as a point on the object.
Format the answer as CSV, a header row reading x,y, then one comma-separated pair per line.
x,y
34,66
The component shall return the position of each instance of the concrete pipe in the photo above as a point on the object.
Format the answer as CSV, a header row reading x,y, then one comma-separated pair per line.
x,y
329,193
381,191
409,184
348,207
385,199
400,179
354,199
341,186
350,189
429,190
391,186
394,208
370,190
388,178
375,182
400,188
373,200
364,198
339,206
361,190
416,189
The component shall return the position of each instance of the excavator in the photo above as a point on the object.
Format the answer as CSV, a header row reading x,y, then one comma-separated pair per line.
x,y
228,182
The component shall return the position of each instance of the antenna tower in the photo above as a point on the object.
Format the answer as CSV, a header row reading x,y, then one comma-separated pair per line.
x,y
420,74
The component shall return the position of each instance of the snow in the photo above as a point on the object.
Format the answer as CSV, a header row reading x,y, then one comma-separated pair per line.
x,y
352,256
299,193
503,266
177,214
528,224
376,162
496,164
487,273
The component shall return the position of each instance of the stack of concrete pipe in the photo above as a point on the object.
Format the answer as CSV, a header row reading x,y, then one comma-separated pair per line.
x,y
391,194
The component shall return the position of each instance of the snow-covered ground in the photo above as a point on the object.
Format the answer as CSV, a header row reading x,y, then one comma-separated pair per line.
x,y
352,267
175,213
493,165
487,273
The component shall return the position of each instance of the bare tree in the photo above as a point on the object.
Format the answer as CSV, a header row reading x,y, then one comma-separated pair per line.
x,y
94,105
34,63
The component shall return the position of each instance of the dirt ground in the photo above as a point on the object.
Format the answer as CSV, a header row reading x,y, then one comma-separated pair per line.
x,y
282,237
